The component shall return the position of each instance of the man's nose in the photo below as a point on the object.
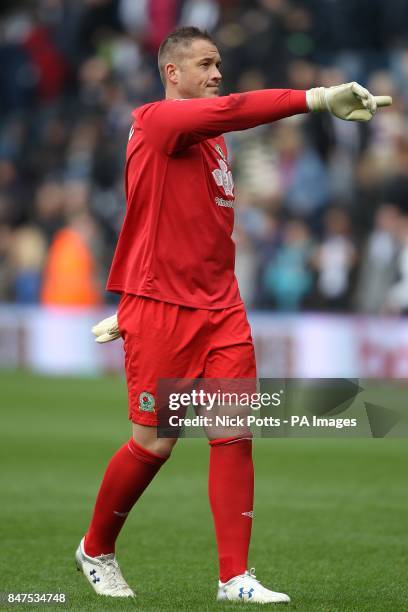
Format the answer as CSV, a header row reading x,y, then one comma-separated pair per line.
x,y
216,74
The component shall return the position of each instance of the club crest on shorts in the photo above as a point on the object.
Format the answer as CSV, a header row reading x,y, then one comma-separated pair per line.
x,y
146,402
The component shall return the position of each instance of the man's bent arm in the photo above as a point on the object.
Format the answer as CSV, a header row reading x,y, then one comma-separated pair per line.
x,y
172,125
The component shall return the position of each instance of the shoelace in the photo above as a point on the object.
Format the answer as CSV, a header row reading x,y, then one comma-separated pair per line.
x,y
114,578
249,575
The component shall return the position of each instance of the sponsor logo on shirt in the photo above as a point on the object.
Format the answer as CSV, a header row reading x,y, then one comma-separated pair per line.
x,y
223,178
226,203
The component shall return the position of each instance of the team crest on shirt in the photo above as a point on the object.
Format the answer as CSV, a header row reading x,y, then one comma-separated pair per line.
x,y
220,152
146,402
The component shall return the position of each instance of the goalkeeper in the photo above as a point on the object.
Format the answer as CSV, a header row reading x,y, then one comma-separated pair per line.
x,y
180,313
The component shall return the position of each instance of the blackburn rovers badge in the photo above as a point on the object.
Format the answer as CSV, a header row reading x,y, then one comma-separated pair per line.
x,y
146,402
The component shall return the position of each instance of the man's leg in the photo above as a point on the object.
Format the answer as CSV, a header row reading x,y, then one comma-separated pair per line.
x,y
231,474
231,494
160,341
230,365
129,472
148,347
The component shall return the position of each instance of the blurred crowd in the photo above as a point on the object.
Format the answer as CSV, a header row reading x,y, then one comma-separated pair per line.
x,y
322,205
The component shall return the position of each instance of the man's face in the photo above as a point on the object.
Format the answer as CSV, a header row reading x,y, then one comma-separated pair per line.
x,y
197,72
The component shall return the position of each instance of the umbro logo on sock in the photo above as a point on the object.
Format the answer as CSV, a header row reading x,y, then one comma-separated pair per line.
x,y
250,514
120,513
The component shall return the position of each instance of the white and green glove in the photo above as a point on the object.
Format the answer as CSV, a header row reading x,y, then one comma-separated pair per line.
x,y
350,101
106,330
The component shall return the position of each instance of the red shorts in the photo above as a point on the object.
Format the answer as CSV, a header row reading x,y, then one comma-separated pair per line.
x,y
163,340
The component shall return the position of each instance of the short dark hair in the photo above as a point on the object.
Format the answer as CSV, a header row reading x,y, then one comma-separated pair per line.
x,y
180,37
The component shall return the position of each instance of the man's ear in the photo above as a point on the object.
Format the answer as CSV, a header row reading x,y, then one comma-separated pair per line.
x,y
172,73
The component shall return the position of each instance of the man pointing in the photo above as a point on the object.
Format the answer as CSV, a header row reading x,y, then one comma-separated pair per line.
x,y
180,313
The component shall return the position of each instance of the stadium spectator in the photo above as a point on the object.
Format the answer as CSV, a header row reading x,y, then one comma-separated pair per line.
x,y
71,275
48,207
303,177
5,270
378,266
287,276
334,261
246,265
27,254
203,13
397,297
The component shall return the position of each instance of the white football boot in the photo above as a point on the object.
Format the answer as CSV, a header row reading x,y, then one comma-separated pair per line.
x,y
247,589
103,573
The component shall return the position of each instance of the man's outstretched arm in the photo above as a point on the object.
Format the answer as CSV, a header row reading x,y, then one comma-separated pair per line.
x,y
173,125
350,102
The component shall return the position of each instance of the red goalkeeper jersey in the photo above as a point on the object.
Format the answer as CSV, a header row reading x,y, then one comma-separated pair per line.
x,y
175,244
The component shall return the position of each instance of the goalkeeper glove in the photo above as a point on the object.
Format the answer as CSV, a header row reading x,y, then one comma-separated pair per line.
x,y
350,101
106,330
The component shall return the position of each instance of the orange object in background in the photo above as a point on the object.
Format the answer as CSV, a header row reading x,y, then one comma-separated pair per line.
x,y
70,272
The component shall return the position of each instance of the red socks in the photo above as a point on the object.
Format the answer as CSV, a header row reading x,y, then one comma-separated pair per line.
x,y
231,492
129,472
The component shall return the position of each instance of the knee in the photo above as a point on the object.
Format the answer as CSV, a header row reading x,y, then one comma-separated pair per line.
x,y
147,438
158,446
161,446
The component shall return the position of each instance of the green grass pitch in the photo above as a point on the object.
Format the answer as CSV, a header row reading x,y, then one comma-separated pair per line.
x,y
330,522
